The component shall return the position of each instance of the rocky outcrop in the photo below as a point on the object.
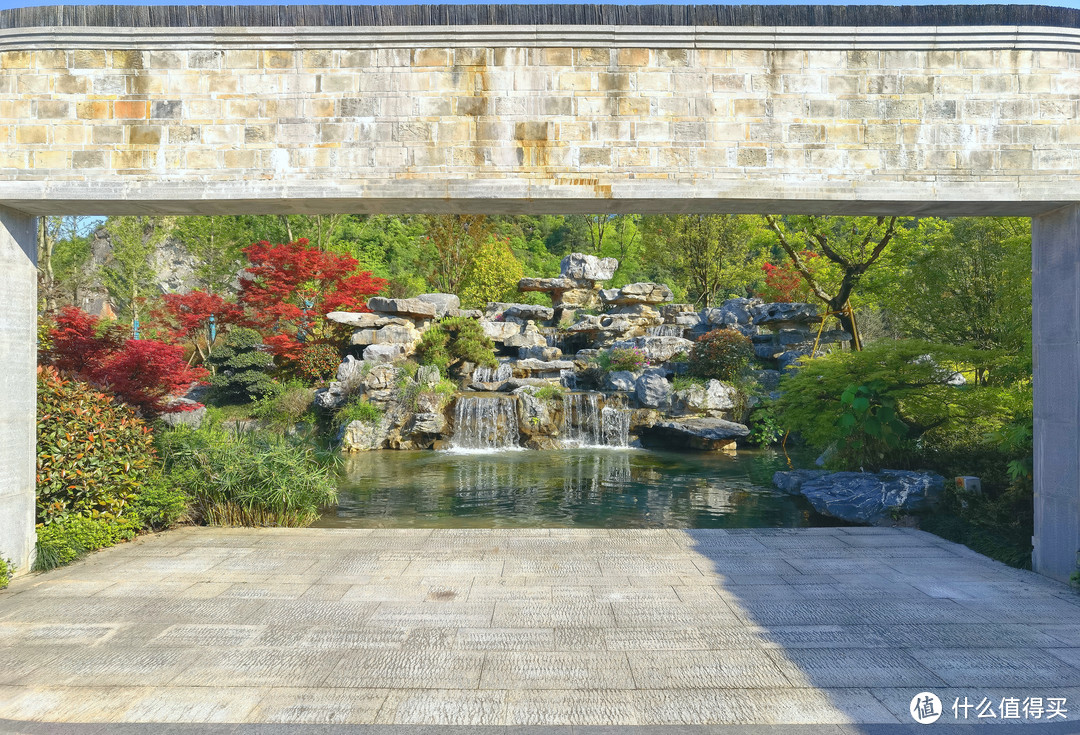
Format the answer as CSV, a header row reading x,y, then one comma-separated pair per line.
x,y
444,303
410,308
657,349
582,267
863,497
711,399
652,390
710,434
637,293
364,436
785,313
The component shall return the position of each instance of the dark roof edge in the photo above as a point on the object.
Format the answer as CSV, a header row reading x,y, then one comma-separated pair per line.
x,y
202,16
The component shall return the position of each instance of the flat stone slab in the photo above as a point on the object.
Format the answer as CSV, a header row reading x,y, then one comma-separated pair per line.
x,y
637,629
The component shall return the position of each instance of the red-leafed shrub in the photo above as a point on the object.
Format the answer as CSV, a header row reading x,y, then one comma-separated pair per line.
x,y
783,283
143,373
186,318
319,361
80,341
721,354
290,288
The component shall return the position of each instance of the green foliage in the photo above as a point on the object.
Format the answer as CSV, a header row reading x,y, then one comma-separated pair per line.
x,y
357,409
128,274
70,537
492,275
907,383
216,242
998,525
94,456
319,361
7,569
159,505
248,480
766,428
722,354
549,393
682,382
285,405
242,368
455,340
621,358
869,426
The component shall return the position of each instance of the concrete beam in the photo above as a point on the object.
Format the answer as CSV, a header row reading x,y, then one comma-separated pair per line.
x,y
1056,344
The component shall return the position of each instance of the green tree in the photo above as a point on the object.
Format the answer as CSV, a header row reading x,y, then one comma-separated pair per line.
x,y
128,275
456,238
216,241
710,255
241,368
492,275
967,281
852,244
67,272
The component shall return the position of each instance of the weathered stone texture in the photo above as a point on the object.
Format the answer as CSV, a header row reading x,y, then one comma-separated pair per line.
x,y
584,118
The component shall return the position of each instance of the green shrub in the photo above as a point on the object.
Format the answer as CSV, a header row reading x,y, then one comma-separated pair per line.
x,y
358,409
7,569
160,505
549,393
242,368
94,456
455,340
319,361
68,538
285,405
249,480
898,389
682,382
722,354
621,358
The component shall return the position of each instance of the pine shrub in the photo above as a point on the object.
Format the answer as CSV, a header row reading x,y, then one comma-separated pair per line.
x,y
243,366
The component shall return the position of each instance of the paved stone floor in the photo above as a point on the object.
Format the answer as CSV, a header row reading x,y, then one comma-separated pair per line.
x,y
528,627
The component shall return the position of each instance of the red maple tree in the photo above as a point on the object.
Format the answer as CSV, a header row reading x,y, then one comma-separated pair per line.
x,y
143,373
186,318
783,283
289,288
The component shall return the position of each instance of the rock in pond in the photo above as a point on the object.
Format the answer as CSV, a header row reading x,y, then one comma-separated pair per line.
x,y
863,497
652,390
706,433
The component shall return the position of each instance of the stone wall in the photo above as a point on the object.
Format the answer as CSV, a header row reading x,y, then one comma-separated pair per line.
x,y
403,125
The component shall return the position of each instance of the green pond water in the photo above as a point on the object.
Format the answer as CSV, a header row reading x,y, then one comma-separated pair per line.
x,y
588,488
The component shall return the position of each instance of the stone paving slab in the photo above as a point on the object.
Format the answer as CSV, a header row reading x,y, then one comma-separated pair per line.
x,y
569,631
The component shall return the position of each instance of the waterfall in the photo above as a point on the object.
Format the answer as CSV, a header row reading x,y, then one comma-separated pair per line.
x,y
493,375
581,419
485,423
568,379
616,426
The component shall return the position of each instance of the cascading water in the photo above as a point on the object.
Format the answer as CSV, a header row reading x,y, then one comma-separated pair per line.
x,y
493,375
666,330
581,420
485,423
616,426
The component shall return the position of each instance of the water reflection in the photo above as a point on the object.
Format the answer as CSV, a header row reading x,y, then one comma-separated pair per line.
x,y
566,488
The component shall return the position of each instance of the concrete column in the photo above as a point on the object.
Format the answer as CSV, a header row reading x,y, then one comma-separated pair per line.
x,y
18,385
1056,341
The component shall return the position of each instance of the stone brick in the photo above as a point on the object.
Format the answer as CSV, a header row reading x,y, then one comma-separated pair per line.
x,y
31,134
36,84
279,59
53,109
751,157
87,59
88,159
68,135
317,58
576,81
93,110
242,59
128,160
136,109
16,59
592,56
108,134
144,134
127,59
472,56
50,59
633,57
166,60
71,84
557,57
49,159
672,57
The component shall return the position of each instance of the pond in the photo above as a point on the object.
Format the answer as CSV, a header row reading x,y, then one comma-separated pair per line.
x,y
588,488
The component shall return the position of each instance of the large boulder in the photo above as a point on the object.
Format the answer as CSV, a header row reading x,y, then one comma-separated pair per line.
x,y
528,312
411,308
364,436
864,497
184,412
622,380
536,417
637,293
546,285
444,302
426,423
785,313
582,267
499,331
540,352
732,314
652,390
528,337
657,349
709,434
332,397
712,398
384,352
393,334
366,320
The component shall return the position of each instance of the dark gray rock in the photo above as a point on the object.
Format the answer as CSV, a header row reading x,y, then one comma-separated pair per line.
x,y
700,433
540,352
863,497
781,313
623,380
736,313
184,412
548,285
657,349
528,312
652,390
